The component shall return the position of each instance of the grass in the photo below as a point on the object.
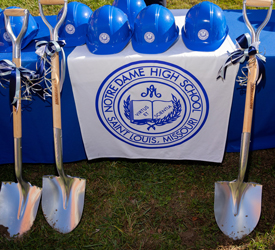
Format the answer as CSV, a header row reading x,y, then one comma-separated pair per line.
x,y
32,5
143,204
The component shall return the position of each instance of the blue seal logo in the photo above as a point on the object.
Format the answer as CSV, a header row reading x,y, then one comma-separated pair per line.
x,y
149,37
7,37
152,104
70,29
203,34
104,38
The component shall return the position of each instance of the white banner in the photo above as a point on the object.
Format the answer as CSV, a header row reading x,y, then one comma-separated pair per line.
x,y
159,106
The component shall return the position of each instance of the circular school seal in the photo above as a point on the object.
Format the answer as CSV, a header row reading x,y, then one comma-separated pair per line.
x,y
149,37
203,34
7,37
104,38
152,104
70,29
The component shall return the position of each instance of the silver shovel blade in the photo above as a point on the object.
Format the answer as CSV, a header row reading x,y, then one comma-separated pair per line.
x,y
237,226
63,212
17,214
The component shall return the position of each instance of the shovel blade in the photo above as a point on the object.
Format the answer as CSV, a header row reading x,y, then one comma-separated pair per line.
x,y
16,214
63,212
237,226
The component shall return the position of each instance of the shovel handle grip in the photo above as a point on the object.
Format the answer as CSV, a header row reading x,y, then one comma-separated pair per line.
x,y
15,12
17,117
51,2
56,92
258,3
250,94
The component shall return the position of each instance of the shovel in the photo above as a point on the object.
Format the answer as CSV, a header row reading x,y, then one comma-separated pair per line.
x,y
63,196
18,201
237,204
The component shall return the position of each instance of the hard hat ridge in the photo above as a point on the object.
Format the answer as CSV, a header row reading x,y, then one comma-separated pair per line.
x,y
16,23
205,27
155,30
108,31
74,28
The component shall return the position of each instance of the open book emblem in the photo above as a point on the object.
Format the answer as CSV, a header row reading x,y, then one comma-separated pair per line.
x,y
152,104
152,113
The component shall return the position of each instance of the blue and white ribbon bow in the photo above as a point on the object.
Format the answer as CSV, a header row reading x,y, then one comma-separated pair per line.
x,y
46,50
244,50
17,75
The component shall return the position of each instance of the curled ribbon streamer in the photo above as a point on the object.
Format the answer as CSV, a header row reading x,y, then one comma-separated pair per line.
x,y
15,82
244,50
242,80
30,80
46,50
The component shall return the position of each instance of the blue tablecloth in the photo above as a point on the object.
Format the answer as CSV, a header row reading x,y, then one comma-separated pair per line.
x,y
263,126
37,139
37,122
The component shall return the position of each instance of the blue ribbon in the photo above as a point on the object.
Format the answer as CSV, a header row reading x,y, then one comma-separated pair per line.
x,y
16,75
245,49
46,50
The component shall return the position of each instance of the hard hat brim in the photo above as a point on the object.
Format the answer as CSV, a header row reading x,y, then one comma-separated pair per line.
x,y
106,49
203,46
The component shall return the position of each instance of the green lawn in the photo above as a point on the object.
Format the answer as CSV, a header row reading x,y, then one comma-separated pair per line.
x,y
32,5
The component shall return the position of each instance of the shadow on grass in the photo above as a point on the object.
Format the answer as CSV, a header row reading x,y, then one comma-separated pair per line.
x,y
150,204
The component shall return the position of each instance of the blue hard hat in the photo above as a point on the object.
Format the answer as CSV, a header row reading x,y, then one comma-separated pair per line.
x,y
131,8
74,28
155,30
16,24
108,31
205,27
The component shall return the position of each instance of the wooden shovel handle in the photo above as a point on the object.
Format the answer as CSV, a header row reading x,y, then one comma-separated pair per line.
x,y
250,94
56,92
258,3
14,12
51,2
17,118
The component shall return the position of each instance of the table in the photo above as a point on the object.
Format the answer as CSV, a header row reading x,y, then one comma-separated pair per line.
x,y
37,140
263,129
153,106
